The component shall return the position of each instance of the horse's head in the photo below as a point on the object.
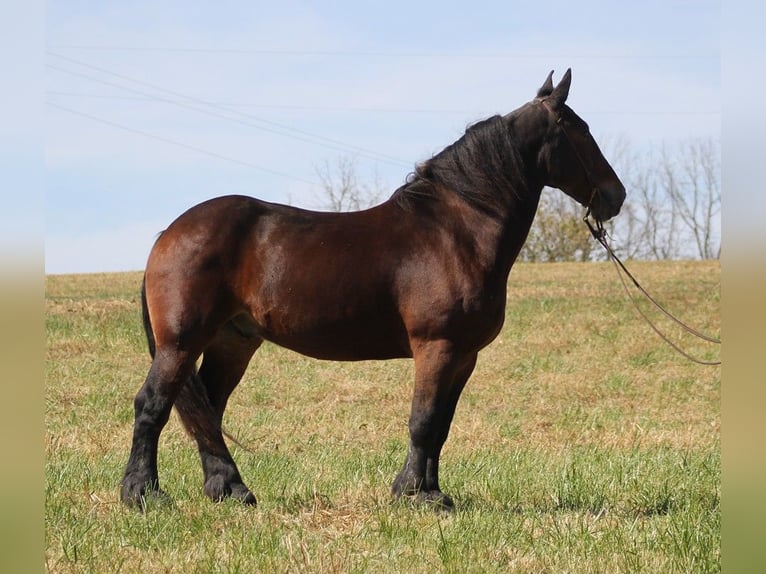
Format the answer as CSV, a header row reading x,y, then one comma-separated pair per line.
x,y
570,156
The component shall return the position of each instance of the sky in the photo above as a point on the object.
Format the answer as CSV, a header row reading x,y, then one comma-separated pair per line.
x,y
152,107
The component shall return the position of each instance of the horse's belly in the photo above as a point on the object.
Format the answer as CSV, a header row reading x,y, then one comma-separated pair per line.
x,y
365,335
344,346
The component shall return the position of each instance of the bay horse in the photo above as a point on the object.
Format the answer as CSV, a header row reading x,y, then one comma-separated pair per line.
x,y
422,275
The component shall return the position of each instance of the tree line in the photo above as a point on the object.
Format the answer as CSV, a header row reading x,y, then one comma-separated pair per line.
x,y
672,210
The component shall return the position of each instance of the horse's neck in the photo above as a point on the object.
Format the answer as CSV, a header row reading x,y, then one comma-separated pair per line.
x,y
522,203
517,228
496,238
517,212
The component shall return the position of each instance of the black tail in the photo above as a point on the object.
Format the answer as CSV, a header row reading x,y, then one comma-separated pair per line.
x,y
147,320
201,420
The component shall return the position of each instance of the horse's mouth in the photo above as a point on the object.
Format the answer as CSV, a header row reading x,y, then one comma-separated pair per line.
x,y
607,202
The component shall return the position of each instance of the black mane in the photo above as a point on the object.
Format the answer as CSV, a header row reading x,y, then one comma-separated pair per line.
x,y
483,167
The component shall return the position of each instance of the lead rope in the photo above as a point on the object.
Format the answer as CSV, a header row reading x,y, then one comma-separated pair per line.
x,y
599,233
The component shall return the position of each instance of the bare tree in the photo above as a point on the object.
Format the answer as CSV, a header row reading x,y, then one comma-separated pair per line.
x,y
654,221
342,189
694,185
673,204
629,230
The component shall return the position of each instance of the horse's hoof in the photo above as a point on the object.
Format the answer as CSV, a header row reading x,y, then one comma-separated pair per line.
x,y
433,499
242,493
217,489
143,494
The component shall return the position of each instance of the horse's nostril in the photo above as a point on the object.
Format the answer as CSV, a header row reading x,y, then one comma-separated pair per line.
x,y
613,199
608,202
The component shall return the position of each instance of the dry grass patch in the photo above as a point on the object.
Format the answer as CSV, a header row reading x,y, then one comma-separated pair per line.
x,y
581,444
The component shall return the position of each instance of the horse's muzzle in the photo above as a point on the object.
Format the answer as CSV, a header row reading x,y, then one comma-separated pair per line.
x,y
607,202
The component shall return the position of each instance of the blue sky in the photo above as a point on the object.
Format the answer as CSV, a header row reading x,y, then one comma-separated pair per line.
x,y
155,106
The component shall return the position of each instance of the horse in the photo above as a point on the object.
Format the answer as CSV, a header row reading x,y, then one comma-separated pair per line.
x,y
422,275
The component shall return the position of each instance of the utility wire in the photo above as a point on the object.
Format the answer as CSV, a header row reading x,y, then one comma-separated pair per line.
x,y
283,106
384,54
181,144
302,134
465,113
153,98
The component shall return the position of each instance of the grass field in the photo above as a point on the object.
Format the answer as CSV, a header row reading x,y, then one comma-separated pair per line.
x,y
581,444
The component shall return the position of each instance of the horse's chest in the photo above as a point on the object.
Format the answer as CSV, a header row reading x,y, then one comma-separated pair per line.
x,y
482,318
467,318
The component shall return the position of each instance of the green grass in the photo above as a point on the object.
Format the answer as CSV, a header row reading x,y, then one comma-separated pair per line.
x,y
581,444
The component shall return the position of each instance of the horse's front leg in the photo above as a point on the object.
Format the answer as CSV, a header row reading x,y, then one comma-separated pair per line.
x,y
440,375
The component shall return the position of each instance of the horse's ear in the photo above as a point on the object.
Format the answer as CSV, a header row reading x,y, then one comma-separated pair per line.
x,y
561,91
547,87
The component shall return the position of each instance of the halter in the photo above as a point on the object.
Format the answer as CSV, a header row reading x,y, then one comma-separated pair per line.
x,y
594,188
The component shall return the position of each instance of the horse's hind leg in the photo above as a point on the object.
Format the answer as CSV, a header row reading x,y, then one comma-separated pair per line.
x,y
170,369
201,405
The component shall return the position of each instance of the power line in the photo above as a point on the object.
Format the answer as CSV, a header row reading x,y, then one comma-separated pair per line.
x,y
466,113
181,144
352,109
151,97
302,135
387,54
